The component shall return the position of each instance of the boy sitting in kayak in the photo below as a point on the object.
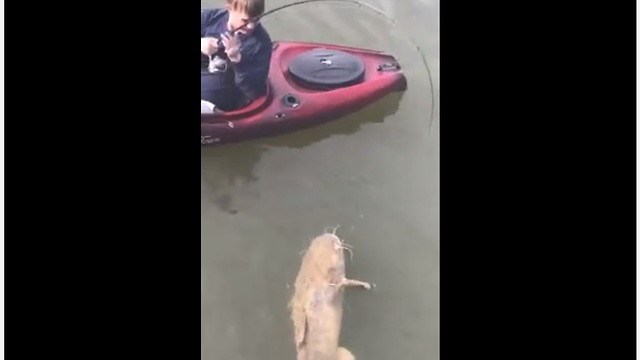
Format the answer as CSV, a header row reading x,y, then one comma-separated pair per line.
x,y
241,62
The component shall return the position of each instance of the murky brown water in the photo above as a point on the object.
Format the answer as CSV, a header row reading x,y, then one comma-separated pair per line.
x,y
374,173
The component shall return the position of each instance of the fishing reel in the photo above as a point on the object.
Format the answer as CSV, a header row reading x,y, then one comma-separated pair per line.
x,y
216,63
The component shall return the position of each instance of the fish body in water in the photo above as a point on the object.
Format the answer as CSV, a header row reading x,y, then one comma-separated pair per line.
x,y
316,305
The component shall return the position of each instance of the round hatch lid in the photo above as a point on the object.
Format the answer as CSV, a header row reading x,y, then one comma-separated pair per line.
x,y
326,69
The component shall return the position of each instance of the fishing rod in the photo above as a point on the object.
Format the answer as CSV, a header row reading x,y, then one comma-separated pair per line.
x,y
256,18
360,4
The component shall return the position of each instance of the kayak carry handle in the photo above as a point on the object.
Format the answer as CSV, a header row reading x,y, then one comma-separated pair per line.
x,y
388,67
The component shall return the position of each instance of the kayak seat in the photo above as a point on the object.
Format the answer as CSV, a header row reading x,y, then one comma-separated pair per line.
x,y
326,69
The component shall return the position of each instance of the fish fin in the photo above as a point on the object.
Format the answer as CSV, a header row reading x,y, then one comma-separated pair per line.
x,y
344,354
300,327
355,283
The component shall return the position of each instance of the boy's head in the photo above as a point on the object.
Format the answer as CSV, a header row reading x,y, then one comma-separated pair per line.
x,y
240,11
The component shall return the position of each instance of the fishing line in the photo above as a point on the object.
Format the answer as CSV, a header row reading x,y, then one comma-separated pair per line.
x,y
361,4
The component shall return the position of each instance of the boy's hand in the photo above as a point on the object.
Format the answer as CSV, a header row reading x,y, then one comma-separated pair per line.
x,y
231,46
208,45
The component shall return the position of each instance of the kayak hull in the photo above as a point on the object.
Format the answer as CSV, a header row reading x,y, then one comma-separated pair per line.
x,y
289,106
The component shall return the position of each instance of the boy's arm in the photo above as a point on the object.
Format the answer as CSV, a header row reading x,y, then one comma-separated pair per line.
x,y
252,71
207,17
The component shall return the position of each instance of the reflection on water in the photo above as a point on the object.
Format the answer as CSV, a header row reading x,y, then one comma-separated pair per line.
x,y
374,173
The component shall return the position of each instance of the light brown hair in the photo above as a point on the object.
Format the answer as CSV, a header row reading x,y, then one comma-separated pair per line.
x,y
252,8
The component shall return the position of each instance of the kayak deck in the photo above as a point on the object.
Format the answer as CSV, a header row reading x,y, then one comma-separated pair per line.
x,y
290,106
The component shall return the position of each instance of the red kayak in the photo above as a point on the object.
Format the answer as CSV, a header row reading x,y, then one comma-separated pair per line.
x,y
309,84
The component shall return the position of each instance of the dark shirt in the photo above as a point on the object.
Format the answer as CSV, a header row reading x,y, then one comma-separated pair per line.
x,y
249,76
